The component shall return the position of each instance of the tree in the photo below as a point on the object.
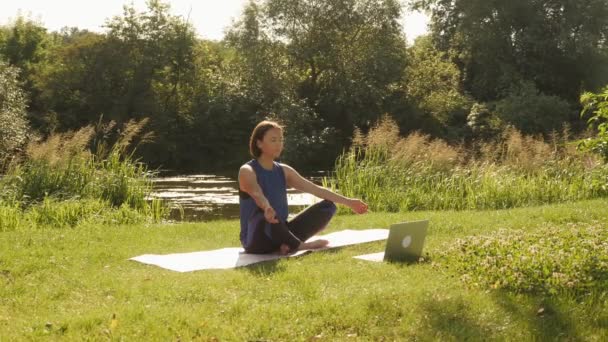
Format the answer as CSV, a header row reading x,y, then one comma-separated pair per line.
x,y
26,44
558,45
432,82
13,104
349,55
142,67
23,44
531,111
596,105
320,64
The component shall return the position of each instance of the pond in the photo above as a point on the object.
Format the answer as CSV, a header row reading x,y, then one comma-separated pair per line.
x,y
211,197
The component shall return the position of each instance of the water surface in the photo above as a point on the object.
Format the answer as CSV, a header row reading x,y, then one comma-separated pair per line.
x,y
209,197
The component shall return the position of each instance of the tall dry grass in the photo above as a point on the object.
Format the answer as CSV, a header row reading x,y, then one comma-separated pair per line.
x,y
64,168
417,172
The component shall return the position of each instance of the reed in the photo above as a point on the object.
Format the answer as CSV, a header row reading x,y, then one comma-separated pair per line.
x,y
61,181
419,173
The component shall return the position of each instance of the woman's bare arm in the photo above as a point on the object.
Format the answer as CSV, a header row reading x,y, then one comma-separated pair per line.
x,y
294,180
249,184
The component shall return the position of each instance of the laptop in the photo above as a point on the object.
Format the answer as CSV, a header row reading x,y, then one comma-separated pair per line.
x,y
404,243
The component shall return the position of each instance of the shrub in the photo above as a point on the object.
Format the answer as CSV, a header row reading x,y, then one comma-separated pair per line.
x,y
597,105
532,112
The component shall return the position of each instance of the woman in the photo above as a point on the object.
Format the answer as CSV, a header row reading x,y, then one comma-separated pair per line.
x,y
263,187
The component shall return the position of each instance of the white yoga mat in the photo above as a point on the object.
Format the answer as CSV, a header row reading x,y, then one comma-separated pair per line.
x,y
377,257
236,257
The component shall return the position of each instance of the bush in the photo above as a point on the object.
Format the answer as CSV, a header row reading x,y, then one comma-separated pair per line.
x,y
550,261
532,112
63,167
484,123
597,105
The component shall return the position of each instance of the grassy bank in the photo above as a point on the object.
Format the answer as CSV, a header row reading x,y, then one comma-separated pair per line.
x,y
76,177
70,283
416,172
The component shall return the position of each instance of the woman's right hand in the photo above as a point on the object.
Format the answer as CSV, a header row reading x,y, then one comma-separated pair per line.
x,y
270,215
358,206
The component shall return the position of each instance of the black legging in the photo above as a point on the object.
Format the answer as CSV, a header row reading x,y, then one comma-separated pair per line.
x,y
268,237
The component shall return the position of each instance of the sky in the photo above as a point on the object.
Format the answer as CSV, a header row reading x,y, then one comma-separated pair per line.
x,y
209,17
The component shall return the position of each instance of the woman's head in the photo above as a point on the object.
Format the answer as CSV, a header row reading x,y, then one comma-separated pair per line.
x,y
267,138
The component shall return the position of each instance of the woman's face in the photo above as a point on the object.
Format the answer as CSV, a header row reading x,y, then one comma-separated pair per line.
x,y
272,143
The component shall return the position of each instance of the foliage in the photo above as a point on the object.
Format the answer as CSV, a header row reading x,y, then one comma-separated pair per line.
x,y
323,68
483,123
27,45
598,105
532,112
24,43
560,46
13,123
433,83
341,60
552,260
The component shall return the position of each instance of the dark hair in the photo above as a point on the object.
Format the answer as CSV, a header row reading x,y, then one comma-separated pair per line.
x,y
258,134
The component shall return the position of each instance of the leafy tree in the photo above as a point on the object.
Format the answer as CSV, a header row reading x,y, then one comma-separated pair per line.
x,y
596,105
532,112
349,55
558,45
432,81
13,123
483,123
25,43
320,64
269,83
142,67
83,78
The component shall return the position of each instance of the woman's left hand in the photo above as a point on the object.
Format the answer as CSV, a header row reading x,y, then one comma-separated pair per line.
x,y
358,206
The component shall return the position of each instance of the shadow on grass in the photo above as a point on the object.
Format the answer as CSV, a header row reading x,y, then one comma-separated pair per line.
x,y
543,316
544,319
426,260
264,268
451,319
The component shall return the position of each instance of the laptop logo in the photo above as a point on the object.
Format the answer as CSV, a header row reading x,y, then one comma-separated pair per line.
x,y
407,241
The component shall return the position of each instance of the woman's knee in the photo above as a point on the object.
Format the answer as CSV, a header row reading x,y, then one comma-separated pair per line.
x,y
328,206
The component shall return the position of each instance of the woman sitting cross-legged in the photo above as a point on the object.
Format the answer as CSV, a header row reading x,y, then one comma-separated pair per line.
x,y
263,184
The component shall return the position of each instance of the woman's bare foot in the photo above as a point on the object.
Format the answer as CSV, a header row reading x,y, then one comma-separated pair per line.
x,y
284,249
313,244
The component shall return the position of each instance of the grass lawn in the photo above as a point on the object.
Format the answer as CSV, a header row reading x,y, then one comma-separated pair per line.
x,y
77,284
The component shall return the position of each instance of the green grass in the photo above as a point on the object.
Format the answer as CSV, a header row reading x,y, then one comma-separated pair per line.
x,y
68,284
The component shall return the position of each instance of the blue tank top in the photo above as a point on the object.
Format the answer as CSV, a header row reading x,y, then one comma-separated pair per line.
x,y
274,186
